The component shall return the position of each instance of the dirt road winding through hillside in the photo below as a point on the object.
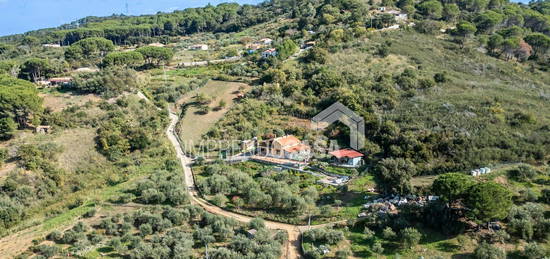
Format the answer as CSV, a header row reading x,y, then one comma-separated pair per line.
x,y
292,249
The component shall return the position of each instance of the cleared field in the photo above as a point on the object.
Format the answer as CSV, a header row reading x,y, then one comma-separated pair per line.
x,y
194,123
57,101
78,149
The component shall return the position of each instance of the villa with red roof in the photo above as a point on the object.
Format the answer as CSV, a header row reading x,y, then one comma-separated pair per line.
x,y
347,157
289,147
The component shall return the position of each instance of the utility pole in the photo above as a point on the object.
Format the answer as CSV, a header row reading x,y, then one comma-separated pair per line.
x,y
127,9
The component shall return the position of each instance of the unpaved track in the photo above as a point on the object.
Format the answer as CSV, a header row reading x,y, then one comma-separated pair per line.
x,y
292,251
16,243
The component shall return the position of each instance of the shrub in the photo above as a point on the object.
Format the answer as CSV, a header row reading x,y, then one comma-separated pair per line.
x,y
55,236
527,221
145,229
220,200
441,77
410,237
501,236
369,234
95,238
90,213
388,233
377,248
383,51
523,173
394,175
343,254
46,250
152,196
3,156
534,251
109,82
487,251
426,83
80,227
71,237
545,196
428,26
324,235
257,223
116,244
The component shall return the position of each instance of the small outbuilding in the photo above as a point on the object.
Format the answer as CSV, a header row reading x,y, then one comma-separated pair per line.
x,y
60,80
347,157
269,53
199,47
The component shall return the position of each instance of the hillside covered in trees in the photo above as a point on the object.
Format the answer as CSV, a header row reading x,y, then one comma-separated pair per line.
x,y
444,86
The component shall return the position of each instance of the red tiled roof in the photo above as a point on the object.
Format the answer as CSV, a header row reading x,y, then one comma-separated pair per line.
x,y
346,153
299,147
286,141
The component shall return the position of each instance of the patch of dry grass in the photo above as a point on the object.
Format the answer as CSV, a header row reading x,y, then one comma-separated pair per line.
x,y
193,124
57,101
78,148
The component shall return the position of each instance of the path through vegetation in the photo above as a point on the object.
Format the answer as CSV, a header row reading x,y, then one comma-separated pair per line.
x,y
292,249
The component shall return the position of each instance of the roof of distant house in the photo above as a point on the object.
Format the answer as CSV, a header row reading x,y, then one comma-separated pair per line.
x,y
270,50
86,69
348,152
289,140
297,148
60,79
156,44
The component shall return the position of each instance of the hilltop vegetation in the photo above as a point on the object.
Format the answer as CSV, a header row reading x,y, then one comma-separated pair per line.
x,y
444,87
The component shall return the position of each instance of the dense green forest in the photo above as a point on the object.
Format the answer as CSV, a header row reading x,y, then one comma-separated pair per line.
x,y
444,87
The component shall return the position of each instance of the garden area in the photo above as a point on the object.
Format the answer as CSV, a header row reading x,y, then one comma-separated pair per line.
x,y
279,194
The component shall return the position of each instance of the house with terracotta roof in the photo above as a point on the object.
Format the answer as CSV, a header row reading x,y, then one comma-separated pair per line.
x,y
347,157
289,147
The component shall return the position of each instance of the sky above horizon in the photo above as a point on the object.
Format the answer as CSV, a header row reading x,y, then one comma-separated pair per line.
x,y
19,16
